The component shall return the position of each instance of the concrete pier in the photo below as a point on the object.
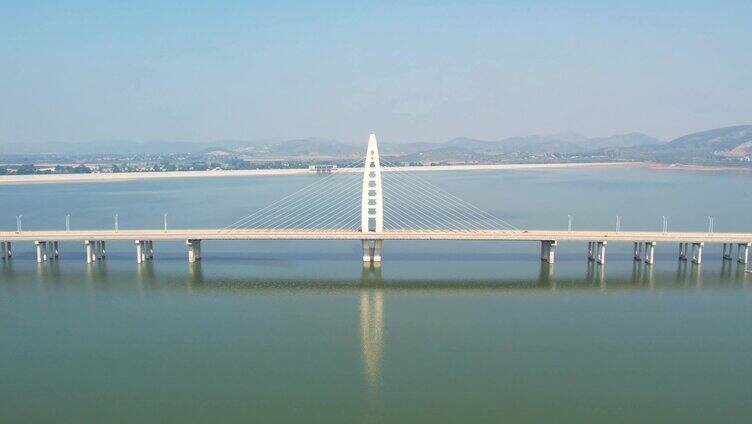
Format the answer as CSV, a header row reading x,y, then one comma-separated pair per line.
x,y
728,250
697,252
5,251
99,249
366,245
46,250
41,249
89,251
683,251
548,251
376,251
637,251
650,252
597,251
139,251
194,250
144,250
743,255
371,250
94,250
601,252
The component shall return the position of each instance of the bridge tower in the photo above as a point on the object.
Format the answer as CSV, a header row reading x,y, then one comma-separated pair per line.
x,y
372,203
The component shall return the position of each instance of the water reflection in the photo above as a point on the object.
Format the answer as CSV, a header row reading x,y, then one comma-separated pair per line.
x,y
726,268
595,276
546,275
144,275
642,274
743,275
696,275
47,273
372,335
195,274
207,277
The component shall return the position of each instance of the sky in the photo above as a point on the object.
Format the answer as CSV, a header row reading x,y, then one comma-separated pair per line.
x,y
207,71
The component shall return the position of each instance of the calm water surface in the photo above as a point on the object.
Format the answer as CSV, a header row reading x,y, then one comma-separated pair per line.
x,y
442,331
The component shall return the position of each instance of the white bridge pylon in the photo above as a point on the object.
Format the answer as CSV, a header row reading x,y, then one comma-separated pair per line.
x,y
372,201
369,197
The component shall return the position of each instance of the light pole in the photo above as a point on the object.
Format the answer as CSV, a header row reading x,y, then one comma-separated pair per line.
x,y
18,223
569,224
618,223
165,221
67,222
116,222
710,224
665,224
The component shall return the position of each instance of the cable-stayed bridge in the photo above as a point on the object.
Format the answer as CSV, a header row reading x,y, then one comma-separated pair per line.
x,y
371,201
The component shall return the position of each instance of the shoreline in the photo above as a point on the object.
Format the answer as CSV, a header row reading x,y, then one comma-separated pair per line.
x,y
131,176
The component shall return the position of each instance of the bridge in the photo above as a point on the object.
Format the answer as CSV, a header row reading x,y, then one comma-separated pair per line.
x,y
393,205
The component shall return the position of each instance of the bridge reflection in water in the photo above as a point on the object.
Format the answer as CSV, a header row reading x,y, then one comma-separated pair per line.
x,y
148,276
372,333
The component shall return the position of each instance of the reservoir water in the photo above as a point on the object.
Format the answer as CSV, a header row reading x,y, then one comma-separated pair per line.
x,y
441,331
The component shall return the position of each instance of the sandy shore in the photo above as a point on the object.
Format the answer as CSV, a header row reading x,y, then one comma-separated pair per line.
x,y
77,178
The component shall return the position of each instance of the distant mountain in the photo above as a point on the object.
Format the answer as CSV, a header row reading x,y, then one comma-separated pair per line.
x,y
720,144
399,149
728,141
557,143
102,147
445,154
314,147
622,140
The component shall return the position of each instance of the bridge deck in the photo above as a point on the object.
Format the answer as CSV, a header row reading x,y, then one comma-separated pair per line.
x,y
271,234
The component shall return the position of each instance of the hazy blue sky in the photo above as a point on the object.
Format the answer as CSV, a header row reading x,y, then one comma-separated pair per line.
x,y
206,71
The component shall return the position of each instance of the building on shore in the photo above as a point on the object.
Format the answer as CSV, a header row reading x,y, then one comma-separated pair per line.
x,y
322,169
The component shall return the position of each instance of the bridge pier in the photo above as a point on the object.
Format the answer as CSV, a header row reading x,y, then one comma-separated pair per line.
x,y
548,251
144,250
41,249
194,250
728,249
139,252
637,251
371,250
683,247
95,250
89,251
5,249
601,252
743,255
597,251
49,249
650,252
366,250
697,252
